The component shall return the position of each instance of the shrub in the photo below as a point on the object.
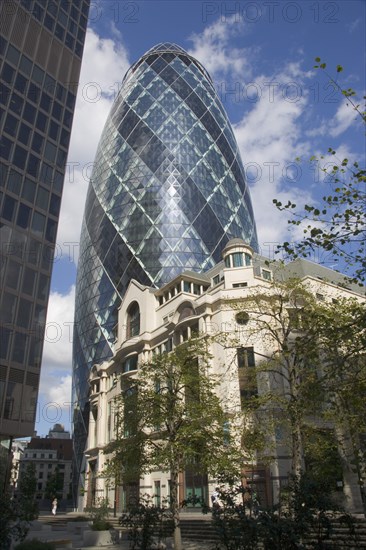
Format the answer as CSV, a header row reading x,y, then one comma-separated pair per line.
x,y
306,511
12,524
233,519
146,521
101,525
98,515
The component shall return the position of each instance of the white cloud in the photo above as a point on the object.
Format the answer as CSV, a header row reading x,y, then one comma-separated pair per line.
x,y
270,137
115,31
326,161
213,49
58,334
54,403
55,386
61,392
353,26
344,117
105,62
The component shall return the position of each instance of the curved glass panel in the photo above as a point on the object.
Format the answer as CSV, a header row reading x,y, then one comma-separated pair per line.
x,y
166,194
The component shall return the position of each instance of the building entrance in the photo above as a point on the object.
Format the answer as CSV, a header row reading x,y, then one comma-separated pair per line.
x,y
195,489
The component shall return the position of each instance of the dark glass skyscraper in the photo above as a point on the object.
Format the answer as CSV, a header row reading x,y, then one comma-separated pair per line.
x,y
41,45
166,194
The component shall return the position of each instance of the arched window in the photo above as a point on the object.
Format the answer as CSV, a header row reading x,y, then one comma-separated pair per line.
x,y
185,311
133,320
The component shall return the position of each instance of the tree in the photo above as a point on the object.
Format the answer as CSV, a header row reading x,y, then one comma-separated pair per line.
x,y
16,514
338,224
288,386
322,458
12,526
311,377
171,419
340,331
54,485
27,492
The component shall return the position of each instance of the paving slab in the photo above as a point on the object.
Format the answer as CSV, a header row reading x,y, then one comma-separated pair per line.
x,y
59,529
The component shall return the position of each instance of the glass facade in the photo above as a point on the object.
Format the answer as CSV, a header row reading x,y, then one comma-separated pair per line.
x,y
41,44
166,194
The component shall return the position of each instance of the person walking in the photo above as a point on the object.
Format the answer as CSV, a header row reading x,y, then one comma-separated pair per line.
x,y
54,506
215,498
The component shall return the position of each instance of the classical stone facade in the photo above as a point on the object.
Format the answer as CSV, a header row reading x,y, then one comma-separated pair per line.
x,y
155,321
51,456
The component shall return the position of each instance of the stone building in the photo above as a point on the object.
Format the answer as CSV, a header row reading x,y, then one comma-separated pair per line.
x,y
155,321
51,456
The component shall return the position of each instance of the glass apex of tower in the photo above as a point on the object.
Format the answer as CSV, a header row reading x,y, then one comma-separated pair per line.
x,y
165,47
168,48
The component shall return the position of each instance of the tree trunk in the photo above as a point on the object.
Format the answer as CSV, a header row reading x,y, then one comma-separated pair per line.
x,y
297,450
295,416
351,474
174,477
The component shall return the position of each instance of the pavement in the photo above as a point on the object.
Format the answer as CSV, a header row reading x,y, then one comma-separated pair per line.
x,y
66,533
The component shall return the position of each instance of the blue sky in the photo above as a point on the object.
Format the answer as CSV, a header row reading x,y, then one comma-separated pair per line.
x,y
261,57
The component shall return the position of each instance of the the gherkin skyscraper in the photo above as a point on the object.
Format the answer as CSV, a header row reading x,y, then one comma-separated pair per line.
x,y
166,194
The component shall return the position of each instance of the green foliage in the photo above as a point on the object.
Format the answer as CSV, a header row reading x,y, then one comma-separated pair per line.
x,y
99,514
12,525
170,418
306,512
54,485
289,388
16,515
27,490
177,419
340,329
101,525
147,522
35,544
322,459
338,224
233,521
318,351
310,504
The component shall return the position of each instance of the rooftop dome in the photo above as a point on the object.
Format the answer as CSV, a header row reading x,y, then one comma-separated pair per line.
x,y
236,243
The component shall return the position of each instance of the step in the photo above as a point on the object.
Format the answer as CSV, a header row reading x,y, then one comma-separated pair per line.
x,y
201,529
